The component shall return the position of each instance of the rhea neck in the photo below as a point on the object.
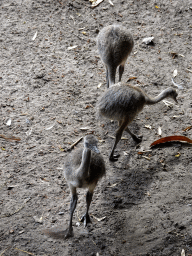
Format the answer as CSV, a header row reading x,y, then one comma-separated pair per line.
x,y
164,94
85,163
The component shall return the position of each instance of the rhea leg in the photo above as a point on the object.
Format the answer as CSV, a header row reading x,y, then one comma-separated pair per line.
x,y
107,77
119,133
111,74
121,70
73,204
134,137
86,219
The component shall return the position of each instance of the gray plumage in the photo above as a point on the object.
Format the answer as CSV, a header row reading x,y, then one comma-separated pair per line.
x,y
123,102
83,169
114,43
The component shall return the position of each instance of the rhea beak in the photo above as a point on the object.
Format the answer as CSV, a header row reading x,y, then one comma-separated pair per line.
x,y
95,149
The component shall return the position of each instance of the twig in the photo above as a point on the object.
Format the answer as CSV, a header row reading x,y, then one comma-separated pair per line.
x,y
10,138
10,214
189,70
5,250
30,253
76,142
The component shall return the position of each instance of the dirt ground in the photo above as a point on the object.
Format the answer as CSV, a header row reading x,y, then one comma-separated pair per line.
x,y
50,80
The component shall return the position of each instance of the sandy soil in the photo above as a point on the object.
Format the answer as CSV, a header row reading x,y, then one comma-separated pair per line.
x,y
49,92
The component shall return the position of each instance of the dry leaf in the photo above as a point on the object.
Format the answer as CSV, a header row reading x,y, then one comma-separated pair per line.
x,y
34,36
168,103
10,138
178,155
183,252
146,158
72,47
159,131
148,126
37,219
189,70
8,122
175,73
84,128
131,78
95,2
175,138
99,219
148,40
188,128
111,3
49,128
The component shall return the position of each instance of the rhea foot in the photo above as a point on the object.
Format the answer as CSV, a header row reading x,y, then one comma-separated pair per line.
x,y
114,158
85,219
137,139
69,233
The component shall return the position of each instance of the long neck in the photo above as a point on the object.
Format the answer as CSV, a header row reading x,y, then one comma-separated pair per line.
x,y
83,169
161,96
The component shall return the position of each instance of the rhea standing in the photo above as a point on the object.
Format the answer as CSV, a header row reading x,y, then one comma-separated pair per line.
x,y
83,169
114,43
123,102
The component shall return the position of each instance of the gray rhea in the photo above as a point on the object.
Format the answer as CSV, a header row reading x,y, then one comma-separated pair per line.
x,y
114,43
123,102
83,169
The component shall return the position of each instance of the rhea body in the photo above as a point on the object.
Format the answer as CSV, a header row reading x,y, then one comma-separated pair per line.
x,y
123,102
114,43
83,169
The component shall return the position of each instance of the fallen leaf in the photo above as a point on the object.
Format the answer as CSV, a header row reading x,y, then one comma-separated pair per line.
x,y
37,219
189,70
10,138
148,126
99,85
34,36
49,128
175,138
178,155
175,73
72,47
188,128
8,122
168,103
95,2
84,128
131,78
99,219
148,40
183,252
159,131
157,7
146,158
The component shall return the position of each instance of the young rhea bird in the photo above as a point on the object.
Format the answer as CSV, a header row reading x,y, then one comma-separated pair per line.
x,y
114,44
123,102
83,170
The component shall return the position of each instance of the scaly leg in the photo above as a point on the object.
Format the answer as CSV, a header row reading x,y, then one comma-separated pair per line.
x,y
107,77
86,219
134,137
72,209
121,70
119,133
111,75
